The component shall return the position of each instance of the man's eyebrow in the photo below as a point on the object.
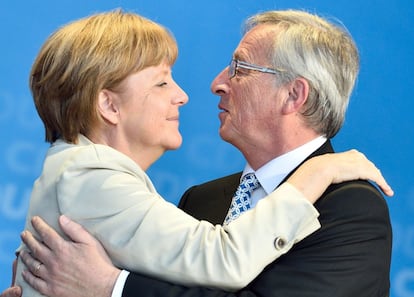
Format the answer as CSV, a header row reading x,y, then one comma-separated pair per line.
x,y
236,56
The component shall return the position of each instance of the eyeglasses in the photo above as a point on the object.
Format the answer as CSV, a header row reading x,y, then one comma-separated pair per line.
x,y
236,64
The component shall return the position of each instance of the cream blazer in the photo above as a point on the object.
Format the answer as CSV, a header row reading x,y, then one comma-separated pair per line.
x,y
114,199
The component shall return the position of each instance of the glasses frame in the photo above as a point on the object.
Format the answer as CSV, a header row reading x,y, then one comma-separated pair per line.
x,y
236,64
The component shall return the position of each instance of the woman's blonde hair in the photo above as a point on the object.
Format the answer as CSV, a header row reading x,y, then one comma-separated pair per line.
x,y
86,56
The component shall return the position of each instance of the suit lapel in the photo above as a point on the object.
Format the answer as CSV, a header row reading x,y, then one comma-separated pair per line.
x,y
230,186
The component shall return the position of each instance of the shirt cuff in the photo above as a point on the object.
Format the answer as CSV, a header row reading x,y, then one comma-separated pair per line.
x,y
120,284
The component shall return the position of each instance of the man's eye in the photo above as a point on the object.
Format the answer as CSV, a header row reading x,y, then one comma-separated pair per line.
x,y
162,84
242,72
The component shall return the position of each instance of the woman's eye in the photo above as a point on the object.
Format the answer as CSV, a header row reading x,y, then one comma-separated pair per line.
x,y
162,84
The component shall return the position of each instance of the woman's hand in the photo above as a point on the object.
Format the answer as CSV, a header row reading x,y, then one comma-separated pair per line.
x,y
316,174
67,268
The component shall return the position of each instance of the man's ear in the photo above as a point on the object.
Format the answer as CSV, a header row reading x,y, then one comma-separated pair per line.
x,y
298,94
107,107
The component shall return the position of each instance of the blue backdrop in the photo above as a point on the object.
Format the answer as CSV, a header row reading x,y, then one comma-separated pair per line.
x,y
379,121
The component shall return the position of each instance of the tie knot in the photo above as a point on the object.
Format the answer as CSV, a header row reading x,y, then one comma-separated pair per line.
x,y
249,182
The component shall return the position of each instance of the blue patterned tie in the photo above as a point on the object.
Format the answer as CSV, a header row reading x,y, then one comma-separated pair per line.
x,y
241,199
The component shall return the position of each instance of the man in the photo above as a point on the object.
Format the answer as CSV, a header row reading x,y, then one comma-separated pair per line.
x,y
283,96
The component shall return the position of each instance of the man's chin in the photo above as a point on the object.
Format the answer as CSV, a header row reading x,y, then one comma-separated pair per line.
x,y
224,134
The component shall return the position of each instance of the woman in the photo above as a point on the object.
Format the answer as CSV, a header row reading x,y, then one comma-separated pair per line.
x,y
104,91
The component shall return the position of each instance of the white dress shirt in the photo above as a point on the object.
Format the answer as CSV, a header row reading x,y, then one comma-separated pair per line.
x,y
274,172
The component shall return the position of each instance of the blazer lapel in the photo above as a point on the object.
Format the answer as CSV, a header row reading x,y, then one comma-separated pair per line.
x,y
229,188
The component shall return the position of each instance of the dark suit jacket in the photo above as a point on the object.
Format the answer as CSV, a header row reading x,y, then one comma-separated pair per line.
x,y
348,256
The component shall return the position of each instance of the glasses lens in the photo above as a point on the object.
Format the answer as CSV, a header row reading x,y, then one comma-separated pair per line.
x,y
232,68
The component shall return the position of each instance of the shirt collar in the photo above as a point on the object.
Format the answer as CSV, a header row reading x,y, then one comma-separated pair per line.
x,y
273,172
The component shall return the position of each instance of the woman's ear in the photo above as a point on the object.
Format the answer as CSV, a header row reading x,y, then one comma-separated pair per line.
x,y
298,94
107,107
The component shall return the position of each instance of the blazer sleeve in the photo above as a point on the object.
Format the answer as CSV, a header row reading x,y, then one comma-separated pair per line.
x,y
349,256
142,232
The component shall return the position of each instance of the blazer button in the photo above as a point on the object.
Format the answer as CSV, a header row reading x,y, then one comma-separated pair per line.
x,y
279,243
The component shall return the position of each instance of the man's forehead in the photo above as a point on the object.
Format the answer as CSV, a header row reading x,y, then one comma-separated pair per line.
x,y
255,43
